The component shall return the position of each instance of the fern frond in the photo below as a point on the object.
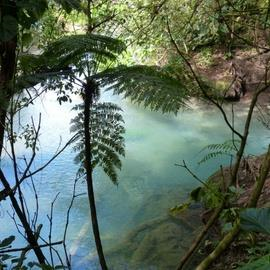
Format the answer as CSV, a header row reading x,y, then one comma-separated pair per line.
x,y
72,49
213,155
107,141
152,86
28,81
227,148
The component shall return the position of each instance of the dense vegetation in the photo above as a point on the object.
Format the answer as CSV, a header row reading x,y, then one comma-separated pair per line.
x,y
155,53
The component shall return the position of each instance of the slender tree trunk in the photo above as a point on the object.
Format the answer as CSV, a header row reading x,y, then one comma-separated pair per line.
x,y
31,238
259,184
200,237
89,177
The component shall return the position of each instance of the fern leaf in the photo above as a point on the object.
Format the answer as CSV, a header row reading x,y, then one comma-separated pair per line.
x,y
72,49
212,155
107,141
216,150
152,86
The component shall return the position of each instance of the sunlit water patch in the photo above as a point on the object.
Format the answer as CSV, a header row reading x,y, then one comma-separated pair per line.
x,y
136,230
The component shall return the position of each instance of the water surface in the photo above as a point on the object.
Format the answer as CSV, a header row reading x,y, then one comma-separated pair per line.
x,y
133,214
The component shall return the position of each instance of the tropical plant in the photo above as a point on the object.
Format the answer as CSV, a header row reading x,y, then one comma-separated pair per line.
x,y
256,220
106,137
99,140
228,148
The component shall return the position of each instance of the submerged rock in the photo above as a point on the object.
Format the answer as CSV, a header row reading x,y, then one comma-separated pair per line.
x,y
157,244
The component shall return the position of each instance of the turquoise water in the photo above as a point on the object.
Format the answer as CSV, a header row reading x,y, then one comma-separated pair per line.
x,y
149,182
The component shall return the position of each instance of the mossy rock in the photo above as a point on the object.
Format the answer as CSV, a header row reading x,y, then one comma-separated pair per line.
x,y
158,244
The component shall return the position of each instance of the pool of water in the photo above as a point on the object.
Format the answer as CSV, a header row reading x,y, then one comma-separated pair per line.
x,y
134,222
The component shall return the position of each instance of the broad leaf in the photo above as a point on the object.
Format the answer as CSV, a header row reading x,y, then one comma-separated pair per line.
x,y
255,220
7,241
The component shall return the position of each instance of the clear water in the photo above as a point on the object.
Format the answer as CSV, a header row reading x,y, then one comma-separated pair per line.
x,y
149,182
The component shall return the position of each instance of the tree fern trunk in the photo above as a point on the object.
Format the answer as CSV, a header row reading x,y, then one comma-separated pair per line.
x,y
89,178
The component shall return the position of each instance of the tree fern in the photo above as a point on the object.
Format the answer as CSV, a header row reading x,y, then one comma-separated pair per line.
x,y
159,88
65,61
216,150
107,141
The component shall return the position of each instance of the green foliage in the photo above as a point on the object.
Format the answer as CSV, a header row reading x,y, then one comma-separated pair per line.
x,y
152,86
216,150
258,257
210,195
255,220
107,141
178,209
228,216
74,48
30,11
50,27
77,55
205,57
262,263
70,5
5,244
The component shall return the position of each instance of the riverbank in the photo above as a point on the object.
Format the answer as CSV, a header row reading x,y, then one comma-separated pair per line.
x,y
238,252
216,68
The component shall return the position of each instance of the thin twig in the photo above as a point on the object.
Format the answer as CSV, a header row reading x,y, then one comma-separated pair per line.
x,y
29,247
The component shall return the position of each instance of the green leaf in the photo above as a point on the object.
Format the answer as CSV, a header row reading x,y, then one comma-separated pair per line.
x,y
74,48
16,260
107,141
8,28
262,263
30,11
255,220
195,194
152,86
5,257
220,149
7,241
27,39
178,209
